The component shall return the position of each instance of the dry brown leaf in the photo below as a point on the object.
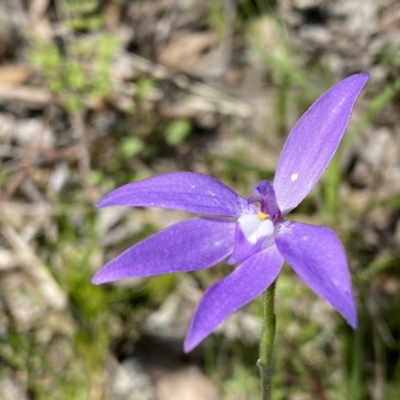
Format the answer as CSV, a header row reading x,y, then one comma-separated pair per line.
x,y
13,75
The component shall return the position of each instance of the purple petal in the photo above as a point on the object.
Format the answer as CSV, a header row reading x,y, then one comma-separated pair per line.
x,y
313,142
189,245
317,256
188,191
234,291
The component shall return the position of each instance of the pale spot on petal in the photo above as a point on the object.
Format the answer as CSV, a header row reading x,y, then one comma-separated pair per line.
x,y
294,177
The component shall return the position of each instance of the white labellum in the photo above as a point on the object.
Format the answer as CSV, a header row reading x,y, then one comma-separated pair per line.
x,y
253,227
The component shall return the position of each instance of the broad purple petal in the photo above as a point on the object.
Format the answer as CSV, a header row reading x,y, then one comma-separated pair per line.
x,y
316,254
313,142
233,292
189,245
188,191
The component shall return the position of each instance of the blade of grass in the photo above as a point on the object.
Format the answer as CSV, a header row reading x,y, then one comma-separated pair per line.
x,y
287,64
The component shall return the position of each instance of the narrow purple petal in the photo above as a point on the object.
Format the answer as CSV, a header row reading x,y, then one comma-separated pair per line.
x,y
316,254
188,191
189,245
234,291
313,142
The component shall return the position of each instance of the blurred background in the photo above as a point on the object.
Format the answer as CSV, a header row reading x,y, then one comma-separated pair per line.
x,y
94,94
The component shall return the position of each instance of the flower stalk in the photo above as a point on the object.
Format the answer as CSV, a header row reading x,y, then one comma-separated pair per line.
x,y
267,342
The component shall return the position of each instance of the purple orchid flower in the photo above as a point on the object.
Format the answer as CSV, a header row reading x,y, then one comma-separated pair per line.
x,y
251,232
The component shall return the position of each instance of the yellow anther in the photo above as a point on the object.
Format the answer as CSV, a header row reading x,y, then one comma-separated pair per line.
x,y
262,215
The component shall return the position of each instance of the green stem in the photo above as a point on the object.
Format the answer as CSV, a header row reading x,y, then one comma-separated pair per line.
x,y
267,342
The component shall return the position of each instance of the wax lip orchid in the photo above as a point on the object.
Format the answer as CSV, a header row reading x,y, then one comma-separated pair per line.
x,y
251,232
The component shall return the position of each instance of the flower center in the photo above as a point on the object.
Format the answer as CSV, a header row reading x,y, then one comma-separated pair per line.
x,y
256,226
260,224
264,194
